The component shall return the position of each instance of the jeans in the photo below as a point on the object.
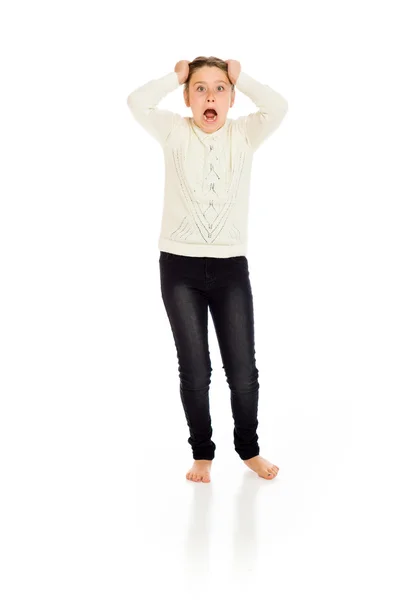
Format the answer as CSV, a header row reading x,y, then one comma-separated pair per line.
x,y
189,286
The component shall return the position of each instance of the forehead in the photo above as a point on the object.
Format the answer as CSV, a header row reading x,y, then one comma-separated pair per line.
x,y
209,75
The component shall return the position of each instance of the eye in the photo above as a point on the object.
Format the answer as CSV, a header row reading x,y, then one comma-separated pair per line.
x,y
201,87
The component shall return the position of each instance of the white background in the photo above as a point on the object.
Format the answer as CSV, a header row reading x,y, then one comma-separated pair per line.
x,y
93,438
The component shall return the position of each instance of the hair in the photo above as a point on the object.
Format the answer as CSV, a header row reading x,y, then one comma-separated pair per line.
x,y
204,61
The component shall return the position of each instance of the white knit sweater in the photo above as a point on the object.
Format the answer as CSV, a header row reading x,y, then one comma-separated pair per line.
x,y
207,175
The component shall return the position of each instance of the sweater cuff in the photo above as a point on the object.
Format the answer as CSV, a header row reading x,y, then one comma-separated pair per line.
x,y
173,78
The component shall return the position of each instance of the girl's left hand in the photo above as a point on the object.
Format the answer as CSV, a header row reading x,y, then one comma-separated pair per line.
x,y
234,69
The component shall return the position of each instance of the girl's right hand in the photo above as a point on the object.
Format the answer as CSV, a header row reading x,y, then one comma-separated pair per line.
x,y
182,69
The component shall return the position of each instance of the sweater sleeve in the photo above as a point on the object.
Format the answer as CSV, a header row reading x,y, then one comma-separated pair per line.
x,y
272,109
143,103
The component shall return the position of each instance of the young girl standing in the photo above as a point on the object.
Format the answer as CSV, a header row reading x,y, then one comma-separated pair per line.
x,y
203,240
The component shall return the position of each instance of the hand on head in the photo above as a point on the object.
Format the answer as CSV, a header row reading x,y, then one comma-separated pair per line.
x,y
182,70
234,68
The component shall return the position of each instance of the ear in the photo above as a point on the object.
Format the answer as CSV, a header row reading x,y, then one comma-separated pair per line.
x,y
186,97
233,97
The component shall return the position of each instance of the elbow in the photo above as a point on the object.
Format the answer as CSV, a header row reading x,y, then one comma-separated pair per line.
x,y
281,113
278,112
130,100
284,106
276,116
133,104
133,100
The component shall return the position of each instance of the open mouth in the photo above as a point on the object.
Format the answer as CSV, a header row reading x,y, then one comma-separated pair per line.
x,y
210,115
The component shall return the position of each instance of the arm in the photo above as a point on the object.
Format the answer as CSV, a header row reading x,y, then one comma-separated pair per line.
x,y
143,103
272,108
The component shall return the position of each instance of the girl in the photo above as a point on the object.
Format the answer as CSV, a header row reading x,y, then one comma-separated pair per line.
x,y
203,240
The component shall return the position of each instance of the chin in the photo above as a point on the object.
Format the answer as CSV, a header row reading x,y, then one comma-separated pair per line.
x,y
210,127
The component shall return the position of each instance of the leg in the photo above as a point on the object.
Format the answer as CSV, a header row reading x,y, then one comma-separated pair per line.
x,y
187,310
231,307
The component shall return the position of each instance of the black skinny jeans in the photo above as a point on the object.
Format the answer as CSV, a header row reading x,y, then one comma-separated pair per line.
x,y
189,285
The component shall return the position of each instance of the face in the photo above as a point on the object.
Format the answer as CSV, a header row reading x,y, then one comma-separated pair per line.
x,y
209,87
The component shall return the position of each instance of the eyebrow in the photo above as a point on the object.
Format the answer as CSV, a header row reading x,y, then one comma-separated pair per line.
x,y
217,81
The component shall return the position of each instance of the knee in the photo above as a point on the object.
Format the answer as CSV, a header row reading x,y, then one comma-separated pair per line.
x,y
196,379
244,381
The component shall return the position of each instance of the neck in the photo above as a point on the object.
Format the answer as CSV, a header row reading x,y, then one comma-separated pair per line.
x,y
207,130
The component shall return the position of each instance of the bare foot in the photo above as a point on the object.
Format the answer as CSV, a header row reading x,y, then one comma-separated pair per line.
x,y
262,467
200,471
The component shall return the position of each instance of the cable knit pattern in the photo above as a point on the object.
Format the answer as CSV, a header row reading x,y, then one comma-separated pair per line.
x,y
207,175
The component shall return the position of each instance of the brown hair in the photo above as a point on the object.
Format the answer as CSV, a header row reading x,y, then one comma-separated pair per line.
x,y
204,61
